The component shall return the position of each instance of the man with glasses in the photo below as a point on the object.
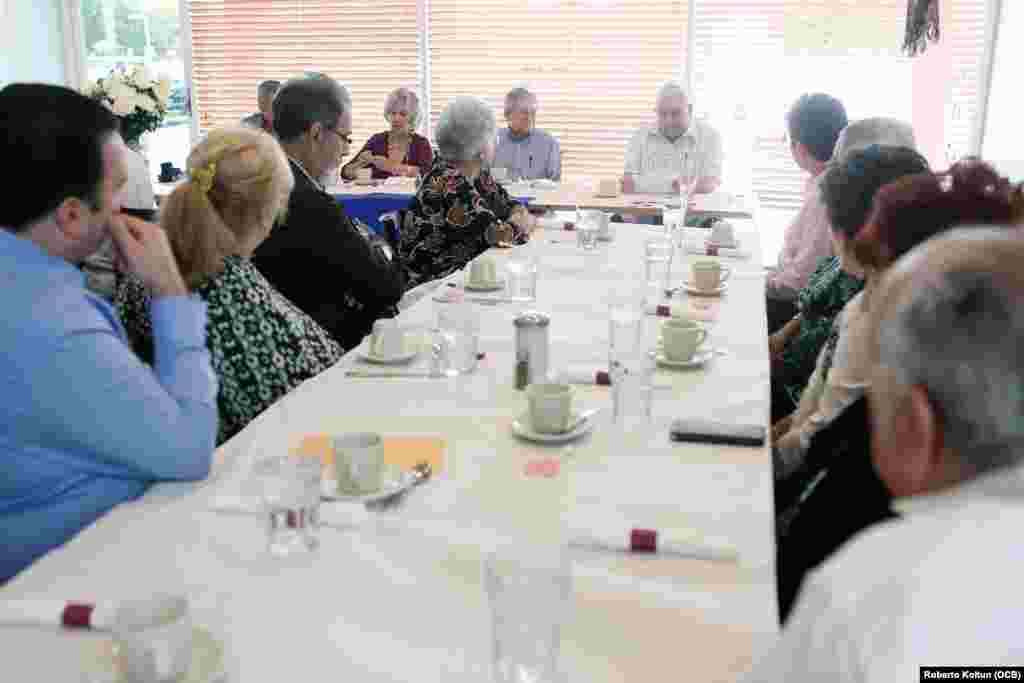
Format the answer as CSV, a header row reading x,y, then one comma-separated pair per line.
x,y
654,155
527,152
322,260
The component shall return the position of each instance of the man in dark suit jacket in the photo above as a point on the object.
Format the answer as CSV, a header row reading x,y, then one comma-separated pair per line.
x,y
318,257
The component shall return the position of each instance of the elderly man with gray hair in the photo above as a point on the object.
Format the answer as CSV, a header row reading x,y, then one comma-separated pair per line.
x,y
328,265
459,211
523,149
654,155
936,586
264,118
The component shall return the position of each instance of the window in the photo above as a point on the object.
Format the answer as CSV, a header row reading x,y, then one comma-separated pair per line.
x,y
595,66
371,46
119,34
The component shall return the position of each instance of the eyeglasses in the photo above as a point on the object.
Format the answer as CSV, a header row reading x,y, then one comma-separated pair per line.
x,y
347,139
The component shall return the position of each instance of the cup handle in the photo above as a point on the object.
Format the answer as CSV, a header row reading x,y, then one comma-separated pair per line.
x,y
703,335
726,274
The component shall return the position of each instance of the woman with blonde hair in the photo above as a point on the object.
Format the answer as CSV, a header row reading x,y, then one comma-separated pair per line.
x,y
261,344
400,151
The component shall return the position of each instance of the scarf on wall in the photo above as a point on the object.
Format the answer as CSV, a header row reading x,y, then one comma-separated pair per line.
x,y
922,26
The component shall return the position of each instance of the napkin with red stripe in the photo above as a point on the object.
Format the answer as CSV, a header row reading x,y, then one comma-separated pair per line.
x,y
101,616
650,542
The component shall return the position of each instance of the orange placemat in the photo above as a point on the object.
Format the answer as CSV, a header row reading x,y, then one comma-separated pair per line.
x,y
403,451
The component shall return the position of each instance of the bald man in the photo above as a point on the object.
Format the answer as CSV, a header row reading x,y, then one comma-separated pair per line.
x,y
940,586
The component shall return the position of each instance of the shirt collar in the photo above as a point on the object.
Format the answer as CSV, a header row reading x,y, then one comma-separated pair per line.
x,y
691,133
1004,483
30,257
515,137
316,183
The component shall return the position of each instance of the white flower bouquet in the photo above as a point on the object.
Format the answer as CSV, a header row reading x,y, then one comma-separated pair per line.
x,y
137,97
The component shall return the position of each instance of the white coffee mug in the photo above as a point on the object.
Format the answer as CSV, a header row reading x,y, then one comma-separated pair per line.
x,y
709,274
723,233
608,187
499,173
358,462
680,338
387,339
483,271
550,407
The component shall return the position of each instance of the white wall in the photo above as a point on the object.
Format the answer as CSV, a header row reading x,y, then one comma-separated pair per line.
x,y
31,32
1003,144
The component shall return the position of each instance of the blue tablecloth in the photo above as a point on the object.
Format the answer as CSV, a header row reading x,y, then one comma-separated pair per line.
x,y
369,207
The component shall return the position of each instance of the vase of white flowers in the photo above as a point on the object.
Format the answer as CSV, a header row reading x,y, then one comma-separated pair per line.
x,y
139,99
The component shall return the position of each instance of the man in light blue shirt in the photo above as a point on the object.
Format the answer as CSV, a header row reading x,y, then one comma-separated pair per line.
x,y
84,425
525,151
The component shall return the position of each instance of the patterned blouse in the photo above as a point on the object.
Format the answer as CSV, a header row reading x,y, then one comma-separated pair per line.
x,y
454,220
261,345
828,290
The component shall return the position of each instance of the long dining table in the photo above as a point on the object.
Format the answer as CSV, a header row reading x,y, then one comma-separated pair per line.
x,y
397,594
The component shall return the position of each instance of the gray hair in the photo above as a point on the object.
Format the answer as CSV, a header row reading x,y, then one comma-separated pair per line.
x,y
466,126
306,100
516,98
671,89
863,133
268,89
959,335
403,97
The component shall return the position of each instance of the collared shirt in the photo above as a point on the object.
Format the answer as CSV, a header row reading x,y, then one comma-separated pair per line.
x,y
84,425
534,155
807,240
938,587
298,164
654,161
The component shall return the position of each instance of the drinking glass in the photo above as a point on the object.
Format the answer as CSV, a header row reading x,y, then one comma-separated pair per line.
x,y
456,338
588,225
529,592
291,496
522,277
658,254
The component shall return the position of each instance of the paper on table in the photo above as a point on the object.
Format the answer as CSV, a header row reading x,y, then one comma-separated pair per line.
x,y
404,451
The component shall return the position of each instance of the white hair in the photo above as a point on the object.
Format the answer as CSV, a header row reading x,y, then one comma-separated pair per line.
x,y
960,336
403,97
671,89
516,98
466,126
864,133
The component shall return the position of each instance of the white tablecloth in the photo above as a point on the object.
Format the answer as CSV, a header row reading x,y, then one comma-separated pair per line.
x,y
399,598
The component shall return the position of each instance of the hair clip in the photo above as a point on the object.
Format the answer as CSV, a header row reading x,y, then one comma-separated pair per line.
x,y
203,177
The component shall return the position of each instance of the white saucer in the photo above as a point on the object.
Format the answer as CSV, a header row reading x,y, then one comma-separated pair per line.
x,y
606,196
207,659
394,483
484,286
365,183
388,360
697,360
522,428
705,292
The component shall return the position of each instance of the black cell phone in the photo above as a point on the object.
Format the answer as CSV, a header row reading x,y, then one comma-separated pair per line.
x,y
708,431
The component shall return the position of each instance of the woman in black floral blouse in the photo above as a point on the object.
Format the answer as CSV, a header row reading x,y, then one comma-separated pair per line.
x,y
261,344
459,210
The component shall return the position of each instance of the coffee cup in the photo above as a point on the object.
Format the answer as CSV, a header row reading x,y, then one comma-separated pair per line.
x,y
499,173
550,407
723,233
387,339
709,274
681,337
358,462
364,175
608,187
483,271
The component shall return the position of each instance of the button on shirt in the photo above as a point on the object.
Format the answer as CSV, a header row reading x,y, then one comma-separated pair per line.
x,y
84,425
938,587
654,161
531,156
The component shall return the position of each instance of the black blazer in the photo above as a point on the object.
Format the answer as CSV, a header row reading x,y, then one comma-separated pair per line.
x,y
320,260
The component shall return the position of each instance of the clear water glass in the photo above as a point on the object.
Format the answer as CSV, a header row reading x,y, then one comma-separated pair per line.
x,y
632,378
588,226
521,277
530,593
658,255
291,497
625,327
456,340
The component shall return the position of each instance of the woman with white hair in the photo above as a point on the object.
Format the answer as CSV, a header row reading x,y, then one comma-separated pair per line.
x,y
261,344
400,151
459,210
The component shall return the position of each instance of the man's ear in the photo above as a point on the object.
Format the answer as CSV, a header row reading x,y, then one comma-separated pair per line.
x,y
71,216
924,458
316,131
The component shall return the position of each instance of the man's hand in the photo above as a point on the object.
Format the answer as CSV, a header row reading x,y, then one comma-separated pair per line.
x,y
777,344
364,159
143,250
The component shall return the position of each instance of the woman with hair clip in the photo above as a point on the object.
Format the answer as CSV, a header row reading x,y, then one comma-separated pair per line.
x,y
261,345
400,151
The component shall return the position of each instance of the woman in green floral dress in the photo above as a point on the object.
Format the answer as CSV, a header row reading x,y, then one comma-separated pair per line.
x,y
261,345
